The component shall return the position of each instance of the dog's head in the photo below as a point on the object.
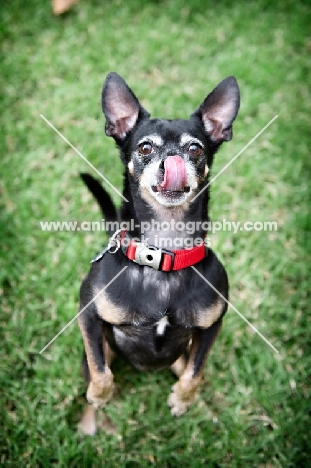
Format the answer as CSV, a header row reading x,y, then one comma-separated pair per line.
x,y
168,160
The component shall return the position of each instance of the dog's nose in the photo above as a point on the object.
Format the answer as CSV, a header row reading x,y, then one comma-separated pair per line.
x,y
175,173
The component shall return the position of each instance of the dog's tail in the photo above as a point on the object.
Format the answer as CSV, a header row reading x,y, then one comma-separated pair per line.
x,y
103,199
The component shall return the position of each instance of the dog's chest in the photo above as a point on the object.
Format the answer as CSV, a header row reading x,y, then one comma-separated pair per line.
x,y
156,286
147,299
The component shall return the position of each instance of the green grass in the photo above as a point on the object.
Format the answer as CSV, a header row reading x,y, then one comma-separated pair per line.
x,y
254,405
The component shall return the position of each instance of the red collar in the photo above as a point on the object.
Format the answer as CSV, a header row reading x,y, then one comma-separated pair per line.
x,y
161,259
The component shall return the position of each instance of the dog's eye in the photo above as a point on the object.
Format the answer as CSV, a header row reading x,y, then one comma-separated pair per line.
x,y
145,148
195,149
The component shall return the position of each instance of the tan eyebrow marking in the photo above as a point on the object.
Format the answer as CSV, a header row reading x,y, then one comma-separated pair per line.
x,y
153,138
187,138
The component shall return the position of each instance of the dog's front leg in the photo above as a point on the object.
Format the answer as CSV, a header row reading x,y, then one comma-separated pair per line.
x,y
101,385
184,391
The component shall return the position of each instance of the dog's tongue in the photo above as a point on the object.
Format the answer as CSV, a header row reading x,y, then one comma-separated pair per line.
x,y
175,174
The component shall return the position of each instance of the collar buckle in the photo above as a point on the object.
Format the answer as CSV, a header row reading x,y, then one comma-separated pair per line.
x,y
148,255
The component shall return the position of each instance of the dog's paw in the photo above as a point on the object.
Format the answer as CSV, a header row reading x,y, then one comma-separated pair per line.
x,y
99,400
100,391
177,406
87,425
182,396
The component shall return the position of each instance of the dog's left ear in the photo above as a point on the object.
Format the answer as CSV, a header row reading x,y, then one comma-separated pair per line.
x,y
121,107
219,110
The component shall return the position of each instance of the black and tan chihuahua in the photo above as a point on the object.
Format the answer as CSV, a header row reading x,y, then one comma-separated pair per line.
x,y
158,312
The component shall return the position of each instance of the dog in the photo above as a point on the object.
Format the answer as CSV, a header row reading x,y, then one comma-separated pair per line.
x,y
142,301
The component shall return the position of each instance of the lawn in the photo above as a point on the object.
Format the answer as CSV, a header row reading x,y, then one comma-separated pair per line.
x,y
254,405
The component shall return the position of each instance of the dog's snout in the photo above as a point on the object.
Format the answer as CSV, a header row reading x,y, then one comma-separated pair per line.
x,y
175,173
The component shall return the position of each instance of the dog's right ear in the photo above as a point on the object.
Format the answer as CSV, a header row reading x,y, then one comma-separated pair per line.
x,y
219,110
121,107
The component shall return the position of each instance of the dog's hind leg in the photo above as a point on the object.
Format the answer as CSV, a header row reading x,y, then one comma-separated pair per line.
x,y
87,424
179,365
184,391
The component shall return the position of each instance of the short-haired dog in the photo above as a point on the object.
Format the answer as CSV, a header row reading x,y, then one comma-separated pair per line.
x,y
142,299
